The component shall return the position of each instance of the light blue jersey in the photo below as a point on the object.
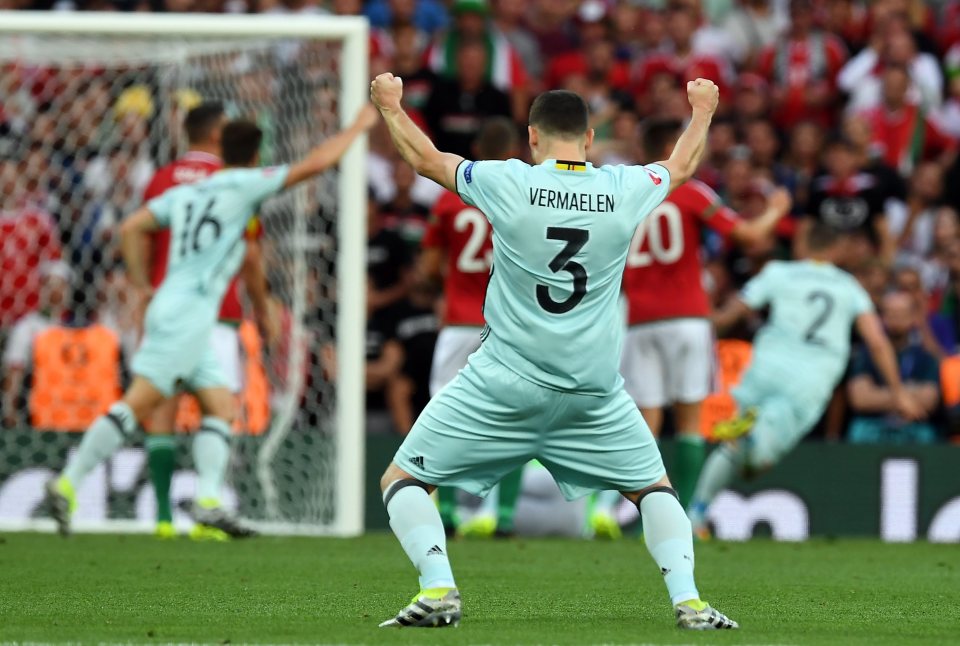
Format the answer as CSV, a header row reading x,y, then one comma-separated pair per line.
x,y
207,222
813,308
561,232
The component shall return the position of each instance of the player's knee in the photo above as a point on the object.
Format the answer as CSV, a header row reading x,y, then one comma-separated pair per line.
x,y
391,475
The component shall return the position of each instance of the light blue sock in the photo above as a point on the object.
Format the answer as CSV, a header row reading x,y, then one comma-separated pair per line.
x,y
667,533
416,522
719,470
211,453
107,434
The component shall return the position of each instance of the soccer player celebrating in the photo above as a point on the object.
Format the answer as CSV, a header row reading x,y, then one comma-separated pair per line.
x,y
669,345
208,222
460,235
798,358
202,125
545,383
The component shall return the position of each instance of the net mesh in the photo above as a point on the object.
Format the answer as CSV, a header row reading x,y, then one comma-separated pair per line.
x,y
84,123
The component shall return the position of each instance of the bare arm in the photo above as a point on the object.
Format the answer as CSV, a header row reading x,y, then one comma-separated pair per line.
x,y
134,237
399,394
888,242
381,370
413,144
327,154
255,281
753,231
866,396
885,359
688,152
12,383
729,315
430,264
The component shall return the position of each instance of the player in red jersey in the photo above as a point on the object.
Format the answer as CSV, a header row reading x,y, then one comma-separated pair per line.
x,y
458,248
202,125
668,350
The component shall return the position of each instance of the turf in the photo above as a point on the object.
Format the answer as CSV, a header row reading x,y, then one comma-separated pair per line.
x,y
134,589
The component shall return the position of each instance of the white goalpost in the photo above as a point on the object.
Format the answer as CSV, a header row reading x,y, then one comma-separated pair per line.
x,y
90,105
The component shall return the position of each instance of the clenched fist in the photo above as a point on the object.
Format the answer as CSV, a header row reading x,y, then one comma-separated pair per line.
x,y
780,200
386,91
704,95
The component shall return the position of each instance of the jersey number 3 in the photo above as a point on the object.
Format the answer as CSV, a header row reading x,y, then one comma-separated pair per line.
x,y
206,221
575,239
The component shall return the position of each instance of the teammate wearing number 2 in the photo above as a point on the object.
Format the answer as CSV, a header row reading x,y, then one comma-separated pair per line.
x,y
207,222
798,358
669,344
545,383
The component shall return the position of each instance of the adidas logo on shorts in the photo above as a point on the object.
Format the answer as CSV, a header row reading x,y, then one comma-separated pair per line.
x,y
417,461
435,551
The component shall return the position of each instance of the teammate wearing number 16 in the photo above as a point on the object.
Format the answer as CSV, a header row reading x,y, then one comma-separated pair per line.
x,y
207,222
545,382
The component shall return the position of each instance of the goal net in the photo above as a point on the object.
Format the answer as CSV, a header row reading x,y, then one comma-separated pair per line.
x,y
90,106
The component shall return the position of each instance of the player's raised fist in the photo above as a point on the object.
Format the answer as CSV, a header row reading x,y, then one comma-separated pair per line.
x,y
704,95
386,91
780,200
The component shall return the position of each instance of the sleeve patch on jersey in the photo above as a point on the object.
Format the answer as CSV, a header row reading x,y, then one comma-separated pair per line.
x,y
656,178
468,172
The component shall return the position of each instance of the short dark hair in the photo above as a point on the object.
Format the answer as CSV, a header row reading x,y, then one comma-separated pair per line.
x,y
497,138
822,236
658,134
560,113
201,121
240,142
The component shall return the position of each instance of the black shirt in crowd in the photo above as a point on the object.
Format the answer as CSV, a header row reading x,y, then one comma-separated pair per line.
x,y
455,116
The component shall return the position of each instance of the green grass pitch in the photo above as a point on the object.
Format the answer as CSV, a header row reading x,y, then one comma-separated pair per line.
x,y
134,589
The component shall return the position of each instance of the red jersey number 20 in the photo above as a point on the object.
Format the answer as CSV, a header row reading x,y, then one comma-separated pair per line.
x,y
658,239
472,258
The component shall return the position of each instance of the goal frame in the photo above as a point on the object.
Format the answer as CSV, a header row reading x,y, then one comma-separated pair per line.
x,y
353,32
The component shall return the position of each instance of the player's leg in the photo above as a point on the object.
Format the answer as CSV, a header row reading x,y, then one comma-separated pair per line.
x,y
688,348
643,364
161,461
454,346
469,436
101,440
621,453
211,449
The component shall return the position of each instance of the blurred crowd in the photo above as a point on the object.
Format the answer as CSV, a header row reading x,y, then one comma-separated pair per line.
x,y
852,105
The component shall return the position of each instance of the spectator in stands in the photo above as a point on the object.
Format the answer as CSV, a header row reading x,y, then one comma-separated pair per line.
x,y
417,326
802,159
751,27
595,58
903,134
502,67
851,201
508,18
55,280
28,238
874,415
427,15
405,214
912,221
408,64
551,23
893,45
683,62
388,264
802,70
457,107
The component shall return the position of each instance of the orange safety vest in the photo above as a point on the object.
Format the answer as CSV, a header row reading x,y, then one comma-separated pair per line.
x,y
76,377
733,357
253,414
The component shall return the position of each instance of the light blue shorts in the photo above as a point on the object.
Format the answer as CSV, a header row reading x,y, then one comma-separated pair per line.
x,y
176,351
788,407
489,421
